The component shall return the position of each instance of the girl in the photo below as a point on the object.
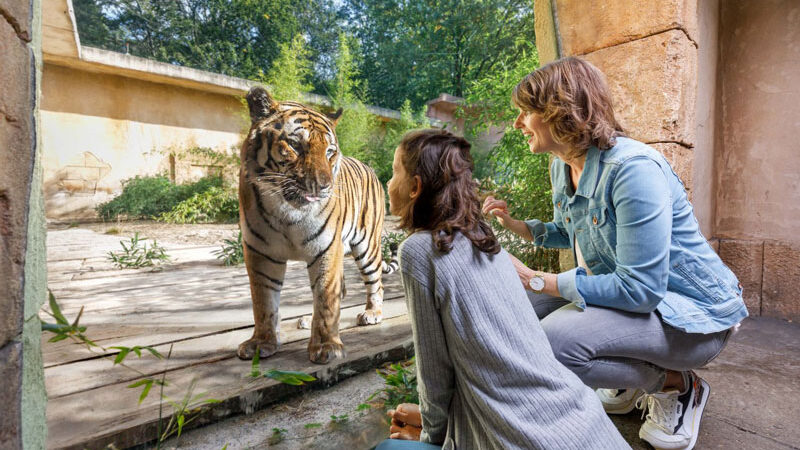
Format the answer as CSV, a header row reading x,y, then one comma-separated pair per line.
x,y
486,375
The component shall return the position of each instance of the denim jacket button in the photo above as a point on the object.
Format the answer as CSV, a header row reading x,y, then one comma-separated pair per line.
x,y
567,219
594,220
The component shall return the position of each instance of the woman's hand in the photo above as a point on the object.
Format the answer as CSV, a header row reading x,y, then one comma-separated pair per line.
x,y
406,422
499,209
525,274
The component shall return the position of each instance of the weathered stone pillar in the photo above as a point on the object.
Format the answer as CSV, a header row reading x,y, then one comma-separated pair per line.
x,y
648,51
22,252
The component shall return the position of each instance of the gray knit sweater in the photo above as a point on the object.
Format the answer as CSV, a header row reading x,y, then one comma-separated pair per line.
x,y
487,377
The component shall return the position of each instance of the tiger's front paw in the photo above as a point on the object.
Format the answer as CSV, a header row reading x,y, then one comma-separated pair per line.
x,y
325,352
369,317
247,349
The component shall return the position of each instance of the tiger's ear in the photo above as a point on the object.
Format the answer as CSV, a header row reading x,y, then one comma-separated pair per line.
x,y
334,117
260,103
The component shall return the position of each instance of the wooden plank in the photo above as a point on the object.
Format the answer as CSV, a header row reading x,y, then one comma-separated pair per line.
x,y
110,414
66,379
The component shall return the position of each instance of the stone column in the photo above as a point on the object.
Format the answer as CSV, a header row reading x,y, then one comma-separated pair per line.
x,y
22,252
648,51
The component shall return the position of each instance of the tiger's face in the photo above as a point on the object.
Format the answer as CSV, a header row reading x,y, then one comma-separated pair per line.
x,y
293,150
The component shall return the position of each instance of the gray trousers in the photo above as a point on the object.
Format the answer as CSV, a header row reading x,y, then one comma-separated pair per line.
x,y
610,348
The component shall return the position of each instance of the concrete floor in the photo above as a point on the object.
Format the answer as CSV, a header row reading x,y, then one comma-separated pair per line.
x,y
754,404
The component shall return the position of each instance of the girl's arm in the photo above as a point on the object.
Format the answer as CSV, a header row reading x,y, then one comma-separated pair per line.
x,y
435,379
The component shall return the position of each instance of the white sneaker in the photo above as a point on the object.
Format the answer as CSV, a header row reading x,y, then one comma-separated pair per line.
x,y
673,420
619,401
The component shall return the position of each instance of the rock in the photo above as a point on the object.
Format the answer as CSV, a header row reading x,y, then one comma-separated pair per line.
x,y
781,280
589,26
653,82
745,259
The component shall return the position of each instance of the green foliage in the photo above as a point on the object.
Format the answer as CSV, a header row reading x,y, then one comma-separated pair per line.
x,y
184,411
509,171
290,377
417,49
384,144
63,329
231,253
339,419
136,349
388,240
401,384
312,425
357,124
136,254
149,197
216,205
232,37
278,435
288,78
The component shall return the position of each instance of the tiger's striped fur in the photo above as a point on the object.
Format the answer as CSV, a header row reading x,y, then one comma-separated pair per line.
x,y
301,199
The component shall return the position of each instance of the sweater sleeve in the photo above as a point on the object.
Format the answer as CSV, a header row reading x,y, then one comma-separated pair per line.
x,y
435,379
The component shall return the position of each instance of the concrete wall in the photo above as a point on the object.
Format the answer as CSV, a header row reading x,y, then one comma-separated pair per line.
x,y
757,165
22,278
100,128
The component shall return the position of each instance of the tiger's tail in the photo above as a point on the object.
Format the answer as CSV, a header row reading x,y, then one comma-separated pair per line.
x,y
393,264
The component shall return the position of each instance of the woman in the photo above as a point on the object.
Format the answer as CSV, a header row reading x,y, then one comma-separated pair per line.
x,y
653,299
486,375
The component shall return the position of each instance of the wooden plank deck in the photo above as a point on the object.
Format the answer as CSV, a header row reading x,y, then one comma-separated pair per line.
x,y
203,311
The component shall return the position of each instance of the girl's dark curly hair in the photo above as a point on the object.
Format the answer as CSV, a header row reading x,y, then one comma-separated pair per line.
x,y
448,201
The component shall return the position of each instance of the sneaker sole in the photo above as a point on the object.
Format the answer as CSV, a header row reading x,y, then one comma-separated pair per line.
x,y
621,409
698,413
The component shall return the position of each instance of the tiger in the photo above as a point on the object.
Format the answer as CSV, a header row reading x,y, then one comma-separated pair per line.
x,y
301,199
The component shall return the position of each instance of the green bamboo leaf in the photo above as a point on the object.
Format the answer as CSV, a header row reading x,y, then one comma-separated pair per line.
x,y
180,424
145,391
75,323
140,382
296,377
138,350
122,354
56,309
255,368
154,352
57,338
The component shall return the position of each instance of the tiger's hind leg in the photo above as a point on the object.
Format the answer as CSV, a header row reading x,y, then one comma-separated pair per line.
x,y
266,279
369,260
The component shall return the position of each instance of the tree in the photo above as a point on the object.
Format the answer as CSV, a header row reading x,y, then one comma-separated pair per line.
x,y
357,124
511,172
232,37
289,77
417,49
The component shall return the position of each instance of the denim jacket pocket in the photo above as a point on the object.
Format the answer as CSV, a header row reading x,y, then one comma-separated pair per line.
x,y
706,286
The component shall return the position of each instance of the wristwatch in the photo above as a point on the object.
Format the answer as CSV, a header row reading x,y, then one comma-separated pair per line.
x,y
536,283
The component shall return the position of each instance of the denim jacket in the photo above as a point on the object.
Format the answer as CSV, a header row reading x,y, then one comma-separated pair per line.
x,y
638,235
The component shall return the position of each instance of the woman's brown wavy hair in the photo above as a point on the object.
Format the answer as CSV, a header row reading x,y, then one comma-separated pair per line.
x,y
448,201
572,97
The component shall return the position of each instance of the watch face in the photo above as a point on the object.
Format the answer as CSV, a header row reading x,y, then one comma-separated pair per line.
x,y
536,283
